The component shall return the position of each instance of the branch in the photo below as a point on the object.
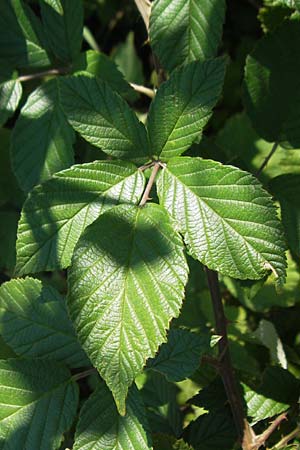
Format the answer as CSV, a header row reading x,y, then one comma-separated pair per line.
x,y
46,73
144,7
84,374
245,432
261,439
145,197
143,90
285,440
267,159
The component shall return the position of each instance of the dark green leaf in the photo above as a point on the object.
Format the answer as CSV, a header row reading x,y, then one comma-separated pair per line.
x,y
103,118
272,90
183,106
42,138
228,220
126,283
100,426
56,213
182,31
180,356
38,404
10,95
21,36
287,190
63,24
8,236
34,322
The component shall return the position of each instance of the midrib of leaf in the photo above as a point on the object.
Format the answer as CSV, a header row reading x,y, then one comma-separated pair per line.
x,y
44,394
248,245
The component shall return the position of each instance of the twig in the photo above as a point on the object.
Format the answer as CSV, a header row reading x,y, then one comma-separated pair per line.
x,y
245,433
143,90
46,73
267,159
285,440
145,197
144,7
84,374
261,439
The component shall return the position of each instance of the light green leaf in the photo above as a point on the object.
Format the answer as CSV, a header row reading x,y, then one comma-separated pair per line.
x,y
128,62
260,407
63,24
56,213
182,31
268,336
42,138
10,95
180,356
183,106
228,220
126,283
100,427
271,89
34,322
21,36
101,66
38,404
103,118
287,190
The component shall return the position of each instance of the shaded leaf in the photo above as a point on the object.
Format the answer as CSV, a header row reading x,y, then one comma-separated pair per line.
x,y
42,138
103,118
63,25
267,334
228,220
192,27
101,427
183,106
56,213
22,41
34,322
126,283
128,62
8,237
271,89
38,404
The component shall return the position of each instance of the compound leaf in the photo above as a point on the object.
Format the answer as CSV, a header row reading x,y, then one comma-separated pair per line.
x,y
34,322
22,41
42,138
192,27
183,106
56,212
10,95
126,283
38,404
63,24
228,220
103,118
272,89
101,427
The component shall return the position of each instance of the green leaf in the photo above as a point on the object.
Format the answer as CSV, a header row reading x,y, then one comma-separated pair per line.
x,y
8,236
42,138
100,426
183,106
34,322
180,356
182,31
63,24
287,190
103,118
128,62
267,334
271,89
126,283
21,36
56,212
101,66
166,442
228,220
10,95
38,404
